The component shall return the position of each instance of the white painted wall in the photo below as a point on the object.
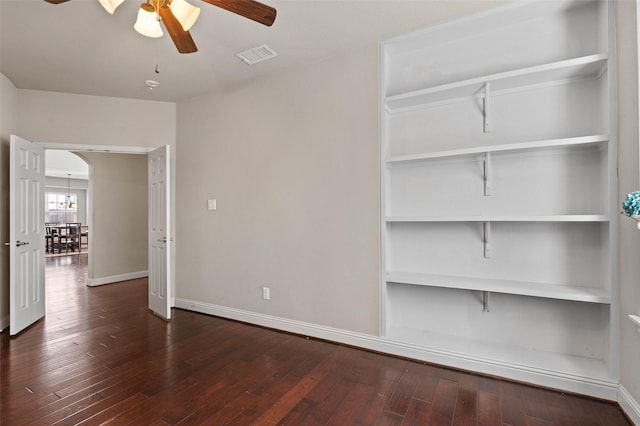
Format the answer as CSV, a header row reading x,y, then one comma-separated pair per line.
x,y
8,113
118,235
293,163
629,169
94,120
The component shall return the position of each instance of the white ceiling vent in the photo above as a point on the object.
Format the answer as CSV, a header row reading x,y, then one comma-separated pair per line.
x,y
257,54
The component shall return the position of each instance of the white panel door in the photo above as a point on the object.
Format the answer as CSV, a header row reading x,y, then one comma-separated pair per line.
x,y
26,236
159,233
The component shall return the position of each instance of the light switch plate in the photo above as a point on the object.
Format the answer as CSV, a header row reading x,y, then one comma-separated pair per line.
x,y
211,204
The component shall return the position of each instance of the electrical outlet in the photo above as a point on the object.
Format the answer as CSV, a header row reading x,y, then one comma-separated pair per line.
x,y
265,293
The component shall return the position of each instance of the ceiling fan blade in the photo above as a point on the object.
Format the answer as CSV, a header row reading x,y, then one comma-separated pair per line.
x,y
55,1
181,38
251,9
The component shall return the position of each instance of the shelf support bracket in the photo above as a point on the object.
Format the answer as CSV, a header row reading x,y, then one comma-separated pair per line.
x,y
486,111
487,173
487,239
485,301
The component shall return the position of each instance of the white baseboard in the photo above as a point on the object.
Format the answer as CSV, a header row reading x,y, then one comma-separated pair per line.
x,y
552,379
92,282
629,405
4,322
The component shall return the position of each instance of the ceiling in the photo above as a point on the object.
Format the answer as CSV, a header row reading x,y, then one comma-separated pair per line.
x,y
77,47
65,164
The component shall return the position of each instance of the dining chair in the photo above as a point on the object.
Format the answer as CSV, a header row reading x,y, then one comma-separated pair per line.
x,y
50,236
71,238
84,233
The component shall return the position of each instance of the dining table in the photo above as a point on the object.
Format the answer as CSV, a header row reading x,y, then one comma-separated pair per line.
x,y
53,232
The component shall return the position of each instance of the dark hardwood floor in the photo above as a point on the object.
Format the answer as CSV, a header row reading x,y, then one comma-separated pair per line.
x,y
99,357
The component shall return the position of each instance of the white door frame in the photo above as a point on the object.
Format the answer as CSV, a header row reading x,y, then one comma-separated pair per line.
x,y
110,149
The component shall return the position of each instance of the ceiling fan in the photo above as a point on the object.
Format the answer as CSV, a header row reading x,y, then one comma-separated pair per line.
x,y
178,16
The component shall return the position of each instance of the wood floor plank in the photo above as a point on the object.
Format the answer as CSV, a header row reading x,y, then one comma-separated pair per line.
x,y
298,413
444,402
534,403
77,397
256,404
156,408
402,395
426,389
535,421
512,405
325,386
88,412
113,411
65,413
374,407
419,413
388,419
466,407
329,406
100,357
489,411
350,407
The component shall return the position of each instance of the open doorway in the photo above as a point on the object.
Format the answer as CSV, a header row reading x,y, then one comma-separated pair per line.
x,y
111,204
26,220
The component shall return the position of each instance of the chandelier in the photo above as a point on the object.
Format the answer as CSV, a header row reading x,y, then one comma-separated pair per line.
x,y
67,204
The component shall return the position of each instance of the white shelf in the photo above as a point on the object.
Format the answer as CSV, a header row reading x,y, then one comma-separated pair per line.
x,y
522,147
564,365
522,288
553,218
585,66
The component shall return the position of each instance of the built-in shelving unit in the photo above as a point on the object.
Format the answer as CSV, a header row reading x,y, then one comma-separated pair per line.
x,y
499,183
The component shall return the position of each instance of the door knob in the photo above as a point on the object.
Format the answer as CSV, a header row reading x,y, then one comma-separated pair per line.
x,y
18,243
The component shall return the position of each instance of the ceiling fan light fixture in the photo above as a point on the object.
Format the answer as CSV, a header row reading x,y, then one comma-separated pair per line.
x,y
147,23
178,16
110,5
185,13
